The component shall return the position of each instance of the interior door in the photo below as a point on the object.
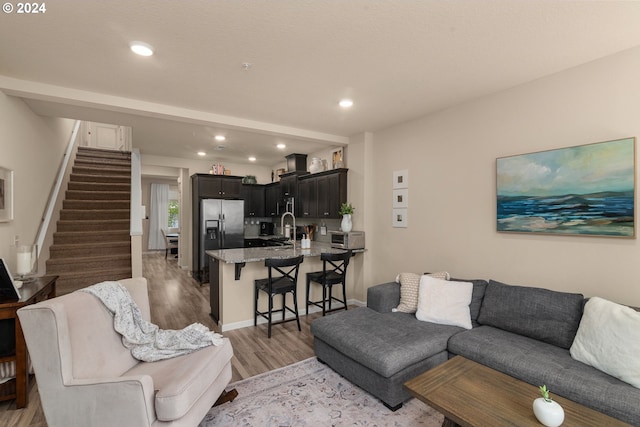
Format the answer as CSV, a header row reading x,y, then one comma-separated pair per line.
x,y
108,137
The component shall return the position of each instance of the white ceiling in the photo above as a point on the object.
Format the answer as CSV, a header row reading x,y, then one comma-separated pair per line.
x,y
398,60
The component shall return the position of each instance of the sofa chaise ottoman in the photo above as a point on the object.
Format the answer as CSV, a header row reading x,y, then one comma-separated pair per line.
x,y
379,350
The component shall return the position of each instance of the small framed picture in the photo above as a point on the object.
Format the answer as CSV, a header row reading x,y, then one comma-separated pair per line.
x,y
401,179
6,195
400,218
401,198
337,158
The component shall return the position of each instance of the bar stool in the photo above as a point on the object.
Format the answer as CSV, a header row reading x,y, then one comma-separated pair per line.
x,y
334,271
281,284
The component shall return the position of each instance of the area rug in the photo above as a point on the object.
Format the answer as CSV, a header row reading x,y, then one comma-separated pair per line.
x,y
309,393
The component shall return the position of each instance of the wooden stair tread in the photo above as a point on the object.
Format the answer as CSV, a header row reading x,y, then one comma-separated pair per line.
x,y
102,151
97,195
82,177
86,245
93,221
91,258
93,233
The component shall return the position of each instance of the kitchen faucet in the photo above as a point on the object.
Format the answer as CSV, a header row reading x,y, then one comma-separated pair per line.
x,y
293,241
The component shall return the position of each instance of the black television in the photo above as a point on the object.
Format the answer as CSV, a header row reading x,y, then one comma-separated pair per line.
x,y
8,288
8,292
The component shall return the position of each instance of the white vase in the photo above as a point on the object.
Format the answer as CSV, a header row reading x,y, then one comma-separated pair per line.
x,y
548,412
316,165
346,224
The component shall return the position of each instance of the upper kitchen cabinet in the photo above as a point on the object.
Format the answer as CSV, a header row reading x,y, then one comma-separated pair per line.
x,y
307,197
217,186
272,199
289,190
289,185
330,193
254,200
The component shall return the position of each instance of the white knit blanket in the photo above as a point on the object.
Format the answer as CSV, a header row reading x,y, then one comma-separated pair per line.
x,y
147,341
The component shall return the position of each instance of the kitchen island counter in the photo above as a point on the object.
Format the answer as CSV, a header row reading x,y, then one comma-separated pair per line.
x,y
232,292
243,255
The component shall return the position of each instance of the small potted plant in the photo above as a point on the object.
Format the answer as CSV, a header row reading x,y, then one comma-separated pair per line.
x,y
346,210
547,411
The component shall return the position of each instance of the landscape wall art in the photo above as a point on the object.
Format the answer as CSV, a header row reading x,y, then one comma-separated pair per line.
x,y
588,190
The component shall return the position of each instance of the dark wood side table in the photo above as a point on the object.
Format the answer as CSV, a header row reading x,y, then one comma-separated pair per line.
x,y
38,290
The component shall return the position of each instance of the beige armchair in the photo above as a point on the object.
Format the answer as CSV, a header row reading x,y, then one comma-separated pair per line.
x,y
86,377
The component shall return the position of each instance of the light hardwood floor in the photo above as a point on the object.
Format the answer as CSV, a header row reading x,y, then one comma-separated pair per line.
x,y
177,301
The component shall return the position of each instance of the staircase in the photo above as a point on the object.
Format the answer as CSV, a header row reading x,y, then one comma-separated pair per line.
x,y
92,241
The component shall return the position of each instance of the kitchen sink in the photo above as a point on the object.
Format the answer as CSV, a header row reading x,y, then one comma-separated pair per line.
x,y
265,243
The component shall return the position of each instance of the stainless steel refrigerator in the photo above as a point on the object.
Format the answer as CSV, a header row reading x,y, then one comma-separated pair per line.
x,y
221,226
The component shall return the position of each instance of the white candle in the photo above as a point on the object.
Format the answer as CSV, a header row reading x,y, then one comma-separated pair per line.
x,y
24,263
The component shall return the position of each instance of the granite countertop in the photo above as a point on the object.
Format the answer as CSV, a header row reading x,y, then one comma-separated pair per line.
x,y
264,236
240,255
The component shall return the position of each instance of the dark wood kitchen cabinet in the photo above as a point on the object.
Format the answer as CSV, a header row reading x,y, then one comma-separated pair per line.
x,y
289,191
254,200
217,186
289,185
271,199
307,197
330,189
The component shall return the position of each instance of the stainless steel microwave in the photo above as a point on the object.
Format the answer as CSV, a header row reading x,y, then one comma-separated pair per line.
x,y
347,240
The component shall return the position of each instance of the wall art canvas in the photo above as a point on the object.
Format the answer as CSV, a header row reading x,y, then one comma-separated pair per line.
x,y
401,179
400,218
6,195
337,158
401,198
588,190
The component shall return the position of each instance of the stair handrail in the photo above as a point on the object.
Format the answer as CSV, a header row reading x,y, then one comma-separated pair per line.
x,y
136,194
55,191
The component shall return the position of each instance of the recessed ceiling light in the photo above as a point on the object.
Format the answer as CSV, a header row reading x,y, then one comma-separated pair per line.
x,y
201,153
220,138
252,159
141,48
346,103
281,146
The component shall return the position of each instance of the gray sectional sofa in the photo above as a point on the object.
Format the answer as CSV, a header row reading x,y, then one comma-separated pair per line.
x,y
522,331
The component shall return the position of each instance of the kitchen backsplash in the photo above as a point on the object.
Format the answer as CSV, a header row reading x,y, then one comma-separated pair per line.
x,y
252,227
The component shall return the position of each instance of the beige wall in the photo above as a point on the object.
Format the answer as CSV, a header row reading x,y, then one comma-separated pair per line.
x,y
262,173
33,147
451,161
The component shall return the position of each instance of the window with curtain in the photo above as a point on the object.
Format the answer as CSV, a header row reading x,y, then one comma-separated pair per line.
x,y
174,209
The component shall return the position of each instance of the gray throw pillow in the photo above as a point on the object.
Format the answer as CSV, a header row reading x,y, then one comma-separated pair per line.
x,y
542,314
479,287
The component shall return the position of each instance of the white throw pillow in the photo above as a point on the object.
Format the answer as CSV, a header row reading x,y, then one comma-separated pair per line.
x,y
409,285
608,339
444,302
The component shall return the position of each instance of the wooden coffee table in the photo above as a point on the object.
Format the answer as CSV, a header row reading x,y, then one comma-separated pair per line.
x,y
470,394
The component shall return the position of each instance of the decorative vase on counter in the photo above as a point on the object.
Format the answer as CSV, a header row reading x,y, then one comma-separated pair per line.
x,y
346,224
316,165
548,412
